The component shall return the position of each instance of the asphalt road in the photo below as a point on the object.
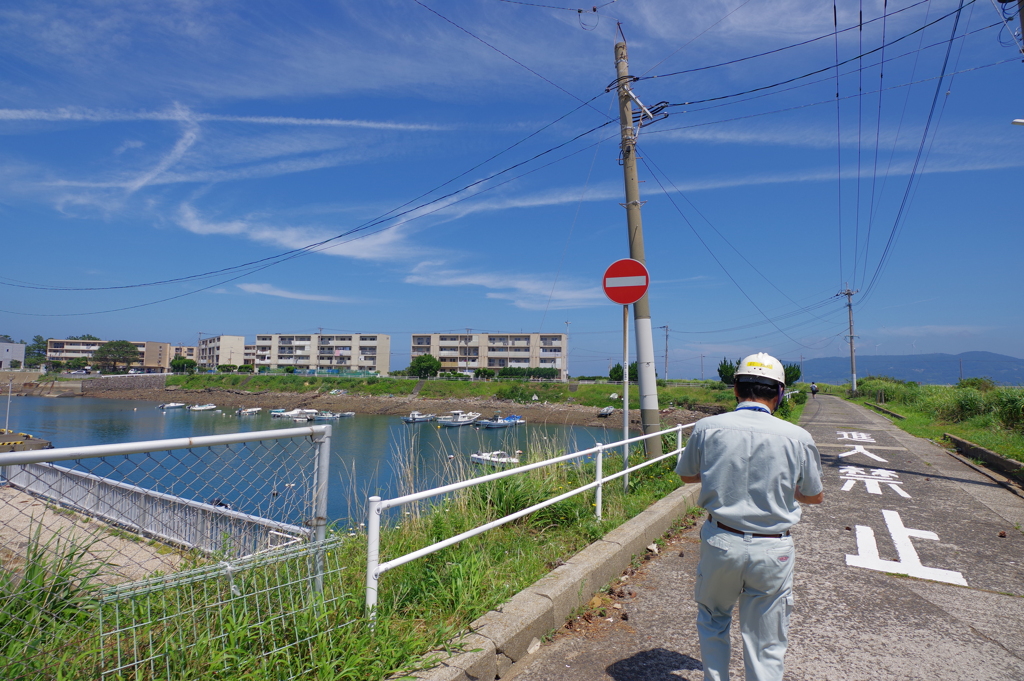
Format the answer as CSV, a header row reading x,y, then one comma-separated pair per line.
x,y
901,574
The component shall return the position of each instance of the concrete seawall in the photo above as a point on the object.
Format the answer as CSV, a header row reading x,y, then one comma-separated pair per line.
x,y
125,382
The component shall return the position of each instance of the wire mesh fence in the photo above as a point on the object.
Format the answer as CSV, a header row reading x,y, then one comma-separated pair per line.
x,y
143,518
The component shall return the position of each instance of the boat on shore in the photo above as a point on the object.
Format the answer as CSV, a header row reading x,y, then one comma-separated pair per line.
x,y
171,405
495,458
417,417
203,407
458,418
499,422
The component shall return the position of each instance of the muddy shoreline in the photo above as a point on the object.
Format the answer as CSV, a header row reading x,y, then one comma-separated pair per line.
x,y
554,413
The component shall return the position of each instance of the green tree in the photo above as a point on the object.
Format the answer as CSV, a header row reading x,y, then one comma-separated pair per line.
x,y
76,363
246,368
87,336
727,369
183,365
615,373
483,373
35,352
4,338
112,354
227,368
15,363
792,373
425,366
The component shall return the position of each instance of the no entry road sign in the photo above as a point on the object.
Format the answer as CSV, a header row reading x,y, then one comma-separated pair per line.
x,y
625,281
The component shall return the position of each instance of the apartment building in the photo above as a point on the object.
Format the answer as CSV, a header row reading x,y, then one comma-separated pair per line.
x,y
345,352
12,352
186,351
470,351
217,350
155,358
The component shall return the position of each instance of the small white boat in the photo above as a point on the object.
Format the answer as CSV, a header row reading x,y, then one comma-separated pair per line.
x,y
202,407
171,405
458,418
297,414
495,458
250,411
606,412
276,412
325,415
345,414
417,417
497,422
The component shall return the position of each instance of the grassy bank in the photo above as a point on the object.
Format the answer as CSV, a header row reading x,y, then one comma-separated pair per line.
x,y
50,630
591,395
975,410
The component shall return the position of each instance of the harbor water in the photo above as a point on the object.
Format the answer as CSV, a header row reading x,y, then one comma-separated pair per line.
x,y
370,454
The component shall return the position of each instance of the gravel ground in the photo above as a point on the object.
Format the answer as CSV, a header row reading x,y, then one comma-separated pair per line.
x,y
557,414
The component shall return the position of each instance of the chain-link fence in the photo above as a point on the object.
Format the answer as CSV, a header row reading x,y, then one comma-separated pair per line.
x,y
166,526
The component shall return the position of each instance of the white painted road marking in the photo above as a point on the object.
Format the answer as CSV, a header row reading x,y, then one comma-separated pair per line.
x,y
909,562
854,435
613,282
872,479
858,449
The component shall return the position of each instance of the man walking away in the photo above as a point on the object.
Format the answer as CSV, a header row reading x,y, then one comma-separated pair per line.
x,y
755,470
814,390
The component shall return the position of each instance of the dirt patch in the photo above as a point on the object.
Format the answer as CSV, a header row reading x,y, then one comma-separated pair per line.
x,y
554,414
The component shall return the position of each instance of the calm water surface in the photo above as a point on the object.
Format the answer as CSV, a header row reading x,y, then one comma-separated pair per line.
x,y
370,453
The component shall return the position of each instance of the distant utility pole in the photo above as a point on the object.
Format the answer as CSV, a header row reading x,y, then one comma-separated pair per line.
x,y
646,377
853,356
702,367
565,351
666,350
961,369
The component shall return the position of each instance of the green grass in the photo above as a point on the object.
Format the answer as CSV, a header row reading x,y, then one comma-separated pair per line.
x,y
992,418
422,605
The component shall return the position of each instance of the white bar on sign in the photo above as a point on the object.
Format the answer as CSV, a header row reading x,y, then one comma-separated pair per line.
x,y
613,282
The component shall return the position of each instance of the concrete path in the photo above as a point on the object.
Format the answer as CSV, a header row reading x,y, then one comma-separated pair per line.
x,y
900,574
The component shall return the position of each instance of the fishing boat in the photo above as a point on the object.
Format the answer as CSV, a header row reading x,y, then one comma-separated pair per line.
x,y
325,415
249,411
606,412
498,422
417,417
495,458
458,418
298,414
171,405
202,407
276,412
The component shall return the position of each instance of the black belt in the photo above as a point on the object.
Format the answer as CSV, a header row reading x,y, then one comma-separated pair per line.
x,y
752,534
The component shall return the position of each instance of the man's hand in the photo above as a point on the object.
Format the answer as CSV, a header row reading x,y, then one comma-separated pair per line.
x,y
690,478
804,499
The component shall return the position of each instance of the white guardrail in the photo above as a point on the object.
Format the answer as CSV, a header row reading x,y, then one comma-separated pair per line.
x,y
376,505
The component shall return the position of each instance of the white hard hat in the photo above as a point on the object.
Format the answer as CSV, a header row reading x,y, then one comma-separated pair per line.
x,y
757,368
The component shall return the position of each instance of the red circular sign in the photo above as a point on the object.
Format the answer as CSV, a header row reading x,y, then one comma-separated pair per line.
x,y
626,281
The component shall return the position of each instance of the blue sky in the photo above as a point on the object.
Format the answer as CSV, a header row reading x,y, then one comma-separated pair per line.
x,y
146,142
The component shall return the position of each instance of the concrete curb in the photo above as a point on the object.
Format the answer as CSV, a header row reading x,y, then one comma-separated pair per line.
x,y
975,452
504,641
885,411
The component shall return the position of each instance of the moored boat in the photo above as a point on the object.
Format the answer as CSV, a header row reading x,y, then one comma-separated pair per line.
x,y
458,418
495,458
417,417
202,407
249,411
171,405
498,422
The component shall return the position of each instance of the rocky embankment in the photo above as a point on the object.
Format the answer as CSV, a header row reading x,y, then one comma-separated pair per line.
x,y
550,413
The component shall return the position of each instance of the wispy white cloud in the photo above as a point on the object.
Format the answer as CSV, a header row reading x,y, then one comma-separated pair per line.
x,y
271,290
128,144
523,291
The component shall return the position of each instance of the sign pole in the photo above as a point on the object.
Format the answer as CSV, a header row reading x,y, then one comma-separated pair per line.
x,y
625,395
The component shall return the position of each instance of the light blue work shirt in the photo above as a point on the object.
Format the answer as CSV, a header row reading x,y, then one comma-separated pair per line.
x,y
750,465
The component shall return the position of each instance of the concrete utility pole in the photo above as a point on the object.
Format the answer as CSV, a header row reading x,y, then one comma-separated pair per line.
x,y
1020,15
853,356
646,378
666,350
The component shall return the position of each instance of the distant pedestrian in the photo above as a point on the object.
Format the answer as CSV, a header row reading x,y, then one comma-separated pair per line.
x,y
755,471
814,390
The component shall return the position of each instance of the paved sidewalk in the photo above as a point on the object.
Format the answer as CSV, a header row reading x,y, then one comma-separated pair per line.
x,y
895,505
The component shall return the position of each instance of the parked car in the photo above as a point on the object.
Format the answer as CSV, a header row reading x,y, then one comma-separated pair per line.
x,y
79,371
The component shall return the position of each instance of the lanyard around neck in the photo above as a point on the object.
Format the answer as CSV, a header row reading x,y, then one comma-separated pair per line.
x,y
764,409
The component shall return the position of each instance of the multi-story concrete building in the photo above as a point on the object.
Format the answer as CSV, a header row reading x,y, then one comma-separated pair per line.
x,y
470,351
217,350
186,351
345,352
12,352
155,358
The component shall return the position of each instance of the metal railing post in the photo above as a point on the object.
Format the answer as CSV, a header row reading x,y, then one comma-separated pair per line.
x,y
372,555
323,465
679,440
600,476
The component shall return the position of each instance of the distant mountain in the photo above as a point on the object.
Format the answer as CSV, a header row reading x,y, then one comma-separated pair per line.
x,y
938,368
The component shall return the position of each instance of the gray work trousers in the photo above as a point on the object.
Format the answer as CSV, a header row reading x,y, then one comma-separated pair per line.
x,y
759,572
